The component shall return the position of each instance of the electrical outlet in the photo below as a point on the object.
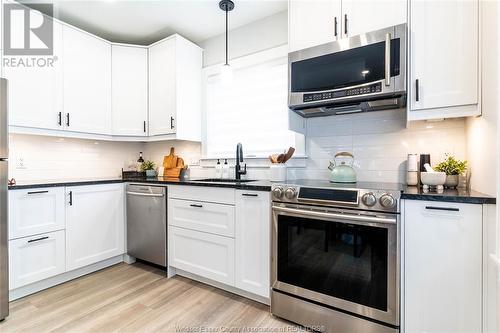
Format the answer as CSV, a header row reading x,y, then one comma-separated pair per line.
x,y
21,163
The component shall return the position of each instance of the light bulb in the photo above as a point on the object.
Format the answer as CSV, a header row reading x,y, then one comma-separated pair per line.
x,y
226,73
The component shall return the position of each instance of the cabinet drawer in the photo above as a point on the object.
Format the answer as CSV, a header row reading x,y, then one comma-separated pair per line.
x,y
200,193
206,255
36,258
202,216
36,211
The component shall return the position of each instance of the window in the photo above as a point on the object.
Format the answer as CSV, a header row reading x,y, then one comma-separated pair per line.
x,y
251,109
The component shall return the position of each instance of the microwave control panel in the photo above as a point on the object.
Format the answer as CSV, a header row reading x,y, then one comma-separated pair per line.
x,y
374,88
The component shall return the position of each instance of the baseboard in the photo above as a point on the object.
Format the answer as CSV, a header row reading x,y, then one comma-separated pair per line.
x,y
243,293
61,278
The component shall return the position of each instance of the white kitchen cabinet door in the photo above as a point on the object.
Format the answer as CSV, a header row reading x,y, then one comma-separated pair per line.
x,y
443,263
361,16
312,22
175,89
202,216
35,92
35,258
252,240
129,90
162,88
36,211
444,48
203,254
87,82
95,224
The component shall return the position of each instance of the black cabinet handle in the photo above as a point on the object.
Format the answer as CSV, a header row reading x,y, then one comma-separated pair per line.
x,y
171,122
144,126
38,239
71,198
38,192
345,24
196,206
448,209
335,26
59,119
417,92
67,119
249,195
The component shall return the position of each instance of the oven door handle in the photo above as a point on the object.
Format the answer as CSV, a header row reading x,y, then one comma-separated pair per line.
x,y
346,217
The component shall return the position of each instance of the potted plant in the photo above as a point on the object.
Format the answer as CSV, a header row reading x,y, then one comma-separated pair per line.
x,y
453,168
149,168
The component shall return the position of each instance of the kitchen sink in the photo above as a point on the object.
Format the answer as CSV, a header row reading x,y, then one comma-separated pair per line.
x,y
223,180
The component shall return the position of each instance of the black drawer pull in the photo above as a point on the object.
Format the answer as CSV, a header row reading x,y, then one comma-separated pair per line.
x,y
38,239
448,209
249,195
417,91
196,206
71,198
38,192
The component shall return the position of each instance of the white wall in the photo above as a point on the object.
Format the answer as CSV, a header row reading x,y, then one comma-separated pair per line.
x,y
257,36
53,158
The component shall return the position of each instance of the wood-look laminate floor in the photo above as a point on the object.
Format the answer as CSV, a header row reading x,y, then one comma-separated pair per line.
x,y
138,298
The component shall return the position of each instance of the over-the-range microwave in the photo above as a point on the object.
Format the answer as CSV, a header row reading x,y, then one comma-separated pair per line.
x,y
357,74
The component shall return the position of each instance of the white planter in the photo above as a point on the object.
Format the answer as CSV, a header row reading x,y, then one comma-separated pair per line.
x,y
278,172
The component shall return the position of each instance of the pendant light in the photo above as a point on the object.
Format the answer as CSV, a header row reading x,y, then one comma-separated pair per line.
x,y
226,70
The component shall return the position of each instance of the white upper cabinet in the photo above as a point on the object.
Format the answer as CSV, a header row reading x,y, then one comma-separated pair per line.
x,y
175,89
95,224
313,22
360,16
317,22
35,93
129,90
442,267
444,48
87,82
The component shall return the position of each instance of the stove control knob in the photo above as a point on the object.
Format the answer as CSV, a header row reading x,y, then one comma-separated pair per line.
x,y
387,201
290,193
278,192
369,199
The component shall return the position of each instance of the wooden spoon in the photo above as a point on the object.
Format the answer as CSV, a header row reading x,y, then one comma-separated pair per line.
x,y
289,154
281,158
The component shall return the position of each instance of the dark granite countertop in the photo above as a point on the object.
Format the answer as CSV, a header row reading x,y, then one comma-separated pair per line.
x,y
447,195
259,185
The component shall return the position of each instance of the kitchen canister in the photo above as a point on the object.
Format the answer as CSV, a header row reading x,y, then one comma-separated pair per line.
x,y
412,162
278,172
412,170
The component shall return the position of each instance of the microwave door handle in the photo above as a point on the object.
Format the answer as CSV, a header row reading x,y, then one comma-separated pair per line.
x,y
388,59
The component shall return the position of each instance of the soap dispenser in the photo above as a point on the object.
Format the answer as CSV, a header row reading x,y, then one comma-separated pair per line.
x,y
218,169
225,170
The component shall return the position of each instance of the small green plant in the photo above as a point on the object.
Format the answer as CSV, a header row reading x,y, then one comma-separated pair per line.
x,y
147,165
451,166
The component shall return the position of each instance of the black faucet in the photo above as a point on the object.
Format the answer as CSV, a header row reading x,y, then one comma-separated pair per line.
x,y
239,158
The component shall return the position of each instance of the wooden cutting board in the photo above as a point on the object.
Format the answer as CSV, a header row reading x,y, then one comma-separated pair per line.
x,y
170,161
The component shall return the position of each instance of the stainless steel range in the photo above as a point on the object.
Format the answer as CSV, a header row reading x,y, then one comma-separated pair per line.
x,y
335,255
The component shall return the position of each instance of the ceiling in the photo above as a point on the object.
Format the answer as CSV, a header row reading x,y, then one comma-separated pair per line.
x,y
145,21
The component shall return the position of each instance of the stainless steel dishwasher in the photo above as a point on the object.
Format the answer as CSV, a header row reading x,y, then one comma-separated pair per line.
x,y
147,223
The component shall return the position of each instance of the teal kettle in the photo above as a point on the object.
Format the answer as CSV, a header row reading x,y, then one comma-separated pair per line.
x,y
342,172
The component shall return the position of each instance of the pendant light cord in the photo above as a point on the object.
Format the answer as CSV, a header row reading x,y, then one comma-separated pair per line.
x,y
227,62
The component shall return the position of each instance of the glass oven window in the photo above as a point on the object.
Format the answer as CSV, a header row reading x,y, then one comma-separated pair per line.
x,y
352,67
345,261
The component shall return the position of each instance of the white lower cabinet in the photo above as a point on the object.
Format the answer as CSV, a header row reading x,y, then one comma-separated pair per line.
x,y
202,216
35,211
36,258
210,256
95,224
442,267
252,242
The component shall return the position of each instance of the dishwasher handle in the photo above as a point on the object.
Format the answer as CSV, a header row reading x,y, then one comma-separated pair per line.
x,y
158,195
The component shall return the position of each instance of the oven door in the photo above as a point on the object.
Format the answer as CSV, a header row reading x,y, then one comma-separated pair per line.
x,y
345,259
320,75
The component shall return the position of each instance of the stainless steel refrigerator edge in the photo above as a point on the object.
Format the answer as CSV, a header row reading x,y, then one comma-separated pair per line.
x,y
4,153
